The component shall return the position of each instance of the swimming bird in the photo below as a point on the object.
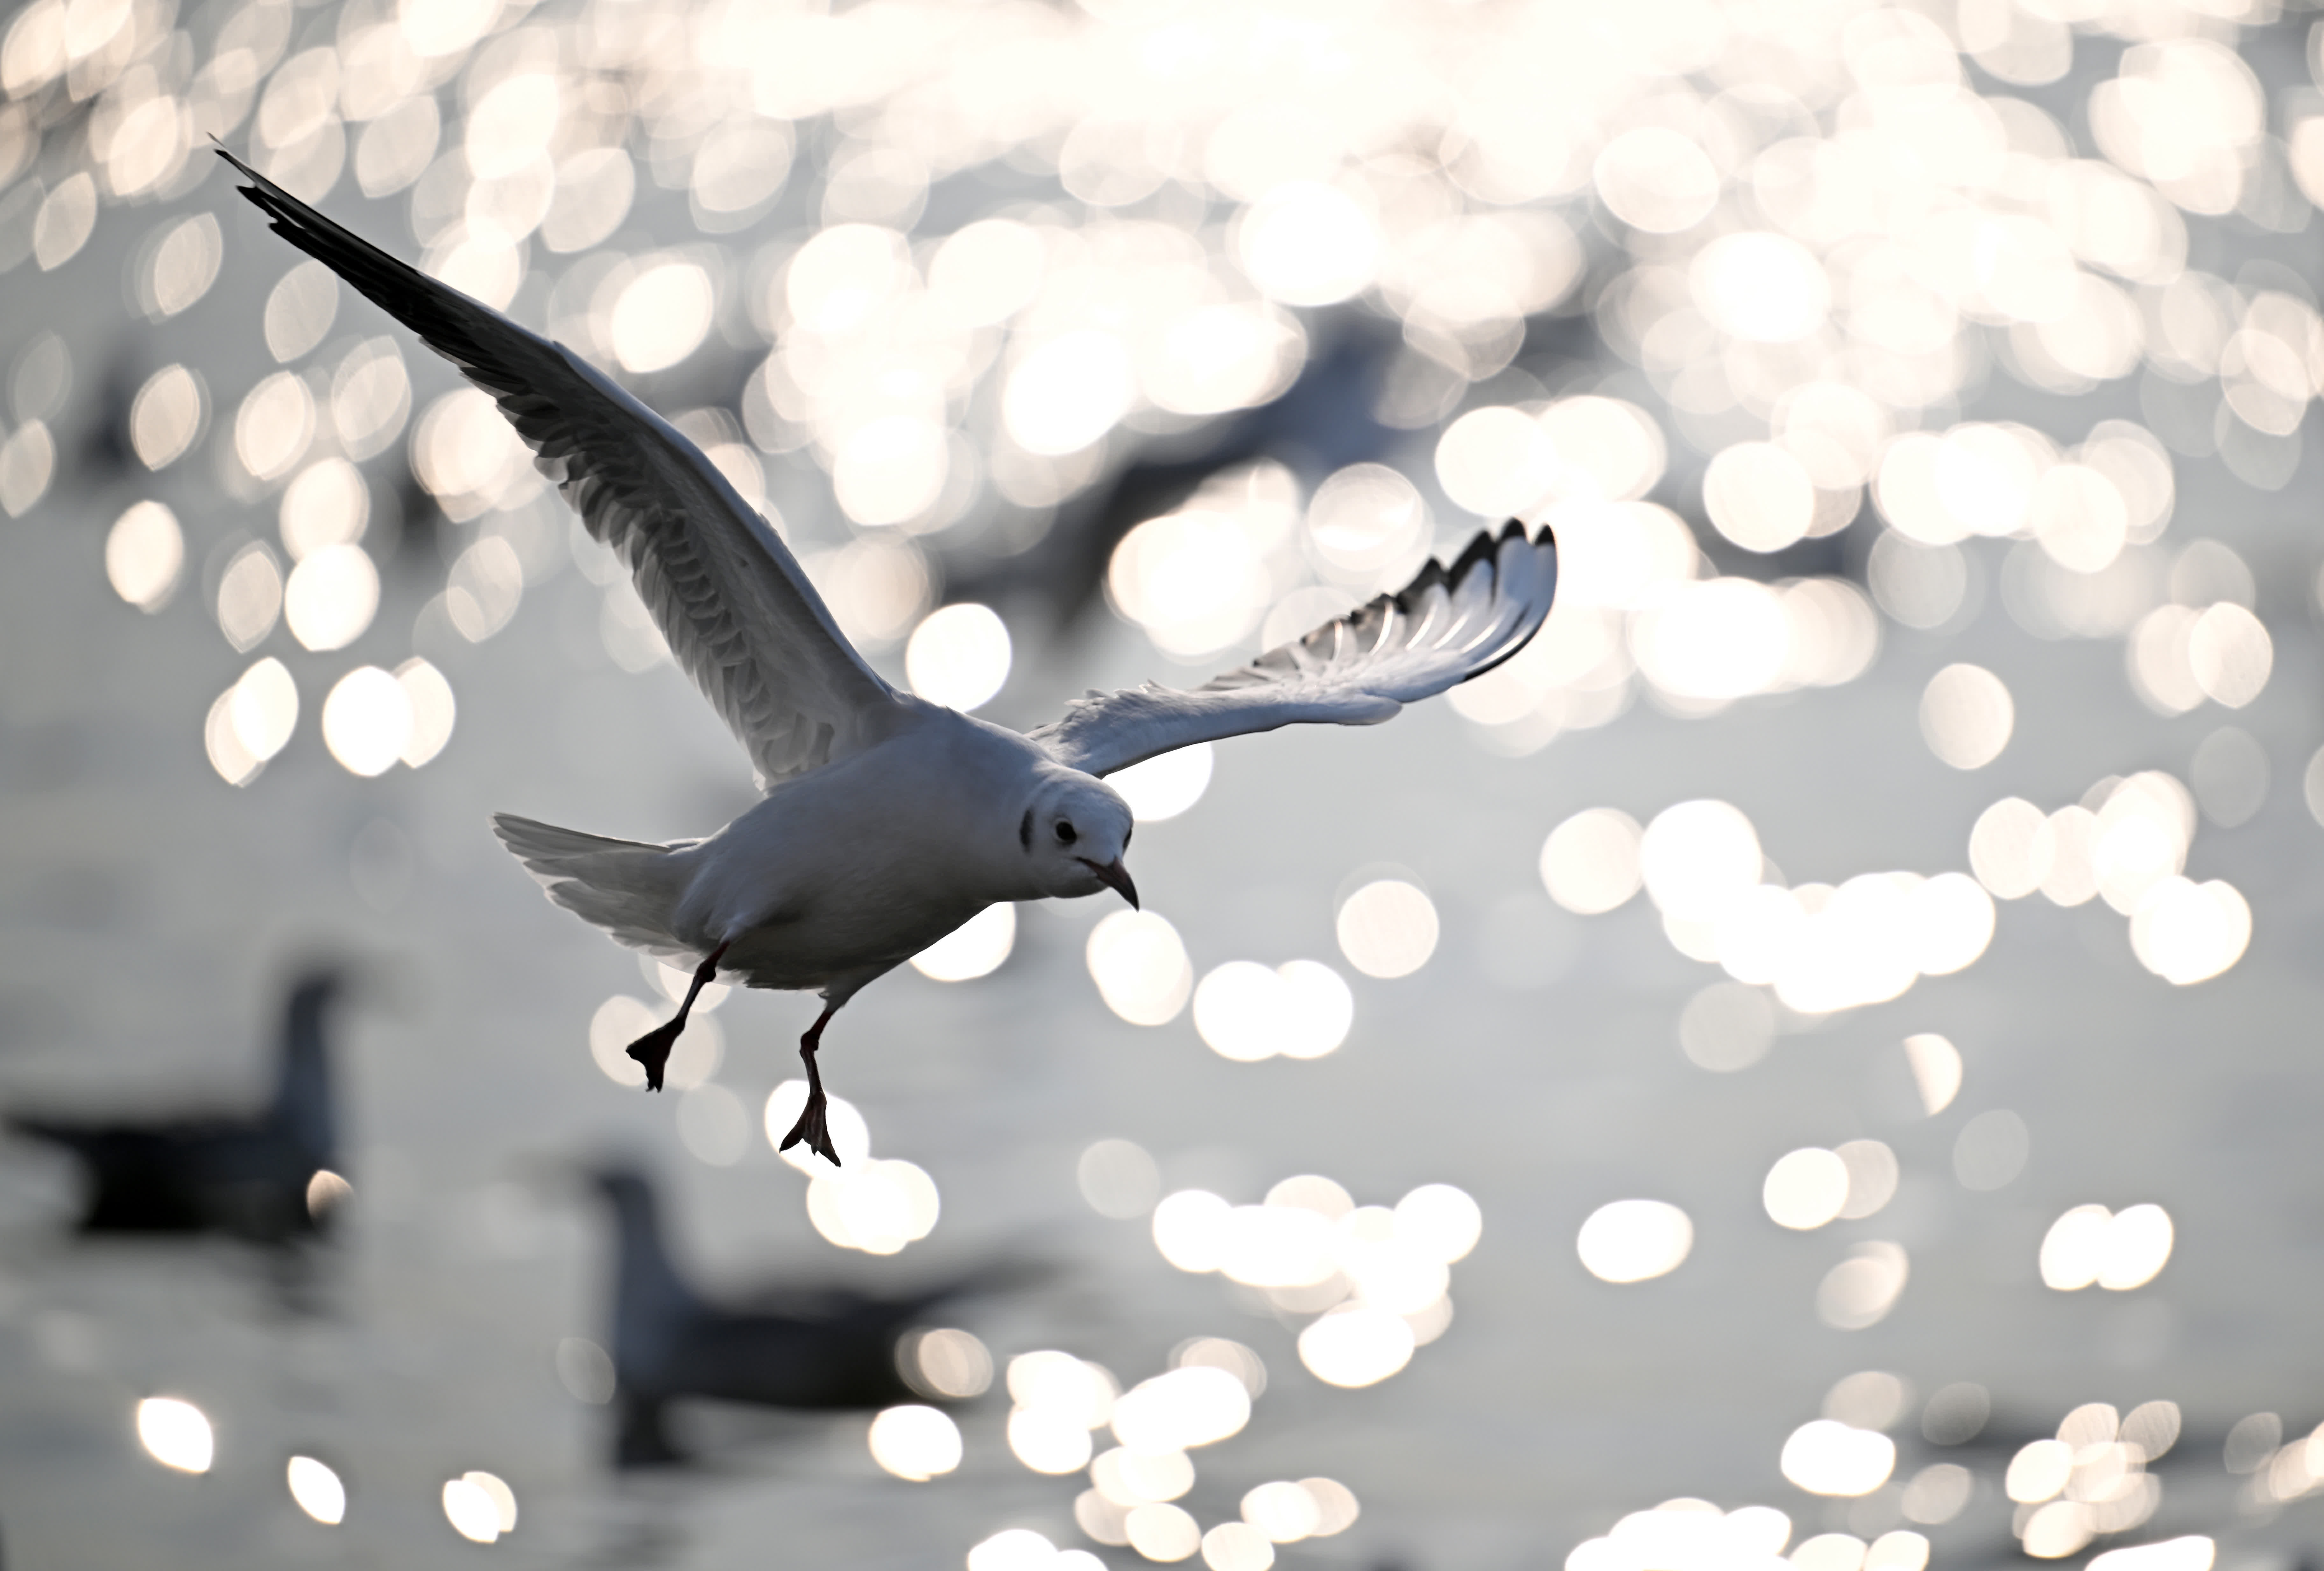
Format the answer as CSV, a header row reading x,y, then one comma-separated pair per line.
x,y
886,820
1324,422
806,1348
250,1175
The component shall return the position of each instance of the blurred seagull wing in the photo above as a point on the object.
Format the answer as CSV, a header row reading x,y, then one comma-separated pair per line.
x,y
1444,628
736,608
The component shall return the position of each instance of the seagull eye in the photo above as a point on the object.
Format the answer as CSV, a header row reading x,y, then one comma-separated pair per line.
x,y
1065,835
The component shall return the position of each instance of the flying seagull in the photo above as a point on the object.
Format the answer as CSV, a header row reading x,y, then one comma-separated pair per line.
x,y
888,821
248,1175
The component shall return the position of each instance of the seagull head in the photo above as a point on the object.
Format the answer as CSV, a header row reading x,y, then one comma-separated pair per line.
x,y
1074,831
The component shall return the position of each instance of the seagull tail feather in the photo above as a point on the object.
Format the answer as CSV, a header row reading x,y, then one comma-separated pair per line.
x,y
631,889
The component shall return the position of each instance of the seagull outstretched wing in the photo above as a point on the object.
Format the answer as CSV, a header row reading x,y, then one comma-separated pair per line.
x,y
1447,625
737,609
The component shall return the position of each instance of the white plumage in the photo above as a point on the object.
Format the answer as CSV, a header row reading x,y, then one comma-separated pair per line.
x,y
888,821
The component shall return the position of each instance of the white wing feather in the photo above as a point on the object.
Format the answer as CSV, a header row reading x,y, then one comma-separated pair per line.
x,y
1444,628
737,609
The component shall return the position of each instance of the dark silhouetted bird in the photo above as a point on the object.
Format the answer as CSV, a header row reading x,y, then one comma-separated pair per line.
x,y
806,1348
253,1175
1329,418
1322,422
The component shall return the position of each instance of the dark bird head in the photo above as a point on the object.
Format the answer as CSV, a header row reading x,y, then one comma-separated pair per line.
x,y
107,449
313,991
625,1188
646,1282
303,1109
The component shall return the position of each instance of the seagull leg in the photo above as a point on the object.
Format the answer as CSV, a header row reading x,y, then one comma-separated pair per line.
x,y
812,1125
652,1048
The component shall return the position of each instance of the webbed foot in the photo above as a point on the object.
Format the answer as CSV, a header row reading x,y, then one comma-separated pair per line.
x,y
814,1125
652,1050
814,1128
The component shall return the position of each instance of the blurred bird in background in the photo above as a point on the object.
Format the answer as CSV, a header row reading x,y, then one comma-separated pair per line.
x,y
269,1177
1326,420
800,1347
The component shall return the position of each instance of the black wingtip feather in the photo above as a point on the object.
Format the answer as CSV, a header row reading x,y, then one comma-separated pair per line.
x,y
267,197
1432,574
1480,549
401,289
1483,546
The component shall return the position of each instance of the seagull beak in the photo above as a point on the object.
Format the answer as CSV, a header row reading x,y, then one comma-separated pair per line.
x,y
1116,877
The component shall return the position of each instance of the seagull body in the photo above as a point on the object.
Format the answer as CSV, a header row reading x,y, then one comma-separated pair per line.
x,y
888,821
800,897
